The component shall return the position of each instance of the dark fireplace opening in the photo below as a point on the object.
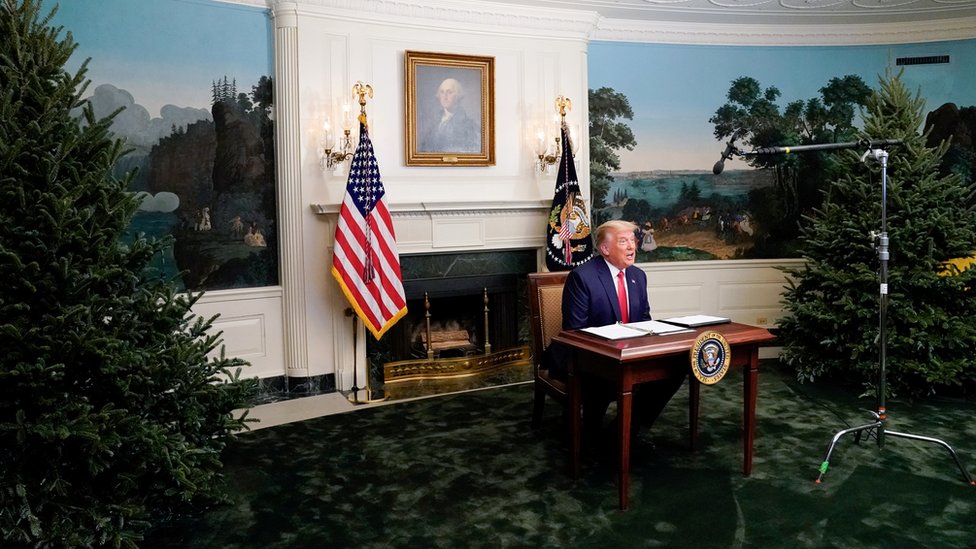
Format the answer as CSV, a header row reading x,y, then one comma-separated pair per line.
x,y
456,289
457,308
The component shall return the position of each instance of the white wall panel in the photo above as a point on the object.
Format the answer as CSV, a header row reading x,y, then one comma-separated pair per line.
x,y
747,291
459,234
676,299
251,321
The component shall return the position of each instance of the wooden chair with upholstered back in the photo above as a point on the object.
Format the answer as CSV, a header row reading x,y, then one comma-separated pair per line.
x,y
545,307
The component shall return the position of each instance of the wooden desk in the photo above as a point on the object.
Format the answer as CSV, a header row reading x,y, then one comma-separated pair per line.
x,y
629,362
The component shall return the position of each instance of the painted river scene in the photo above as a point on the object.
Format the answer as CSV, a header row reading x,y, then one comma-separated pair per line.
x,y
689,215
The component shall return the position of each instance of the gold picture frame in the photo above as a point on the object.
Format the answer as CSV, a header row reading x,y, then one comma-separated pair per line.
x,y
449,107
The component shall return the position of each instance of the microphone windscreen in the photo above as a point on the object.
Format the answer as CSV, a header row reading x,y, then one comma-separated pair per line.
x,y
718,167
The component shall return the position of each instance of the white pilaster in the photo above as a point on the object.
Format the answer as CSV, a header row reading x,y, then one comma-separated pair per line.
x,y
290,206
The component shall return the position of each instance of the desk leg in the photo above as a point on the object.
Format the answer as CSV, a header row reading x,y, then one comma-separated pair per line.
x,y
694,411
624,412
751,384
575,401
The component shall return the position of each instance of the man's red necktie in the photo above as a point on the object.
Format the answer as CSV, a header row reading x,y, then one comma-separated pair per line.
x,y
622,298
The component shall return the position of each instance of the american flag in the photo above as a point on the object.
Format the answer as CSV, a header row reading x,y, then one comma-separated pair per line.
x,y
365,262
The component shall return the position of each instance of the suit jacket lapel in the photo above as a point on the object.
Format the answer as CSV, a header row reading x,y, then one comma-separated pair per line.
x,y
610,285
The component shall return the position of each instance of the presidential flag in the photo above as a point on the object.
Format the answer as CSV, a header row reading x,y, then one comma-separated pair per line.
x,y
568,241
365,262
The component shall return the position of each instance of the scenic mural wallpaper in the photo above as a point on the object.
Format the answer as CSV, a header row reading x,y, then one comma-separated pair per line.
x,y
193,80
661,118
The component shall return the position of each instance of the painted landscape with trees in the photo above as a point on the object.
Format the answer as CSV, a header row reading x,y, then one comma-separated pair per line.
x,y
756,213
651,159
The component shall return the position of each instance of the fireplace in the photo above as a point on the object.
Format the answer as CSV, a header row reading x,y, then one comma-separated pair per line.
x,y
476,309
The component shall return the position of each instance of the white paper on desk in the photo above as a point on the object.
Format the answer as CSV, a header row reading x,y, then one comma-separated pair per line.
x,y
614,331
697,320
634,329
656,327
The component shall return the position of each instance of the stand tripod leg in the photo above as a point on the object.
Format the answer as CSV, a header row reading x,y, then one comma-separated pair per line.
x,y
942,443
833,442
370,394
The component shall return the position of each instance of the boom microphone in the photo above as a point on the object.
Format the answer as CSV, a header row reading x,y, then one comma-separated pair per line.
x,y
726,155
729,151
880,143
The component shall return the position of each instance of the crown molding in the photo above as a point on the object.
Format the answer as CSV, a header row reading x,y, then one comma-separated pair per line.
x,y
501,18
491,18
744,34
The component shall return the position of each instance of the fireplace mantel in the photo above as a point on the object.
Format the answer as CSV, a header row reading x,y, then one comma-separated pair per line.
x,y
450,208
435,227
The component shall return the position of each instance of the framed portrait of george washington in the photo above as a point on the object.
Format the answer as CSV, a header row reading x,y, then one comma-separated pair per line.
x,y
449,107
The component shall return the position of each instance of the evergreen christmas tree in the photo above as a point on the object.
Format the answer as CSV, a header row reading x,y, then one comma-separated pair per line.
x,y
111,409
832,323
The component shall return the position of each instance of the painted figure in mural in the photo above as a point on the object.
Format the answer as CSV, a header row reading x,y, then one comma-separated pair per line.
x,y
648,244
203,220
236,226
745,226
255,237
453,130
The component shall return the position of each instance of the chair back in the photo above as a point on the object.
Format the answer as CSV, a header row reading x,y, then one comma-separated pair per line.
x,y
545,308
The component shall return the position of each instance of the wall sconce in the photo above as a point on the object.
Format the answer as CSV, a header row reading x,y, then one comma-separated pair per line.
x,y
335,153
548,150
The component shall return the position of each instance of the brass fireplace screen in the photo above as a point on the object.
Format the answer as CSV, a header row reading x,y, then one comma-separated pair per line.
x,y
451,353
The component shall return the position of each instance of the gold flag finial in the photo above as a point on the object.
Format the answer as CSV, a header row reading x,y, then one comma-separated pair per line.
x,y
362,90
563,104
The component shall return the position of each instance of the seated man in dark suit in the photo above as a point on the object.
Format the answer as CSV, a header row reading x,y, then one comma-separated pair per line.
x,y
602,291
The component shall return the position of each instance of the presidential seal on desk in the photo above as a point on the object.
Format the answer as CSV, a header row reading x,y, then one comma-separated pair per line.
x,y
710,355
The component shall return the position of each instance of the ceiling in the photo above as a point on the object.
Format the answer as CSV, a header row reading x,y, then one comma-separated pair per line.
x,y
765,12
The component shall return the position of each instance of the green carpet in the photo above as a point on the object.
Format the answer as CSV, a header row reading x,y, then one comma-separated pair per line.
x,y
467,470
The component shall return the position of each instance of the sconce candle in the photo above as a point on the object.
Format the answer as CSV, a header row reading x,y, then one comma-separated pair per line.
x,y
328,139
335,153
346,119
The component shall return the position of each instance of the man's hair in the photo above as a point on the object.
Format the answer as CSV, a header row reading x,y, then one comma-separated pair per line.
x,y
454,83
613,226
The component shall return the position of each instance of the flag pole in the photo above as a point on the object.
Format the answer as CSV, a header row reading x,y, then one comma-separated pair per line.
x,y
353,395
568,240
371,395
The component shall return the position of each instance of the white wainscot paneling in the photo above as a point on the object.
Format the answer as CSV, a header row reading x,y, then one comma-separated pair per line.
x,y
747,291
251,322
757,303
244,336
674,299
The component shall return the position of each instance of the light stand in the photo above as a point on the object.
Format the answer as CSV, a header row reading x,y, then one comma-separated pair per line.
x,y
878,426
877,152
